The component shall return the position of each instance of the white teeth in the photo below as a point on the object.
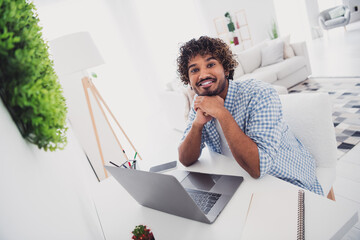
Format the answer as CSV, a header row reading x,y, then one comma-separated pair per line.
x,y
204,83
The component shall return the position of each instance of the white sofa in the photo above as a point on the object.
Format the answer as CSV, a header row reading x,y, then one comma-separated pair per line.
x,y
286,73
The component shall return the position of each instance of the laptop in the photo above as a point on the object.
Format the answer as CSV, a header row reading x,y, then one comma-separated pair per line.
x,y
197,196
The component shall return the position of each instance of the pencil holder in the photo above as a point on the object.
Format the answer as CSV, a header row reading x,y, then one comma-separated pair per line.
x,y
131,164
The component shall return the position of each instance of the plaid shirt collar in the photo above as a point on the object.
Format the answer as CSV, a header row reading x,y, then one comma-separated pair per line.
x,y
230,96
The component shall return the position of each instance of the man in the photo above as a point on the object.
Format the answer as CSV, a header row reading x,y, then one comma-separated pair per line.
x,y
242,120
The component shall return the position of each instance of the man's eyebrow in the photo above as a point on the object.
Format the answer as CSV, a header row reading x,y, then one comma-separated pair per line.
x,y
208,59
192,65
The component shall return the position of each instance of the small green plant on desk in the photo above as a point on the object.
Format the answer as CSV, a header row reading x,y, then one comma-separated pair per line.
x,y
141,232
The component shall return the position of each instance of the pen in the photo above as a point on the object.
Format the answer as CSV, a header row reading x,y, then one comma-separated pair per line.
x,y
114,164
124,165
127,161
135,155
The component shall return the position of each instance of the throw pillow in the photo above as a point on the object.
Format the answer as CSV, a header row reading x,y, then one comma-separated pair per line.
x,y
272,53
288,50
337,12
239,71
250,59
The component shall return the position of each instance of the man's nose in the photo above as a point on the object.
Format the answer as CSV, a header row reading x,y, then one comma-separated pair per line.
x,y
204,74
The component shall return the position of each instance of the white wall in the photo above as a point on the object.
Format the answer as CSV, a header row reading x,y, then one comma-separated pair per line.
x,y
139,41
325,4
44,195
260,14
141,35
293,19
312,9
155,29
355,15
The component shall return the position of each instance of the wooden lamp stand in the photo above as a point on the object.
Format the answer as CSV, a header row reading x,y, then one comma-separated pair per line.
x,y
89,85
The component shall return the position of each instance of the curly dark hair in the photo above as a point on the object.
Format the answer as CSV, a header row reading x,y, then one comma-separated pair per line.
x,y
203,46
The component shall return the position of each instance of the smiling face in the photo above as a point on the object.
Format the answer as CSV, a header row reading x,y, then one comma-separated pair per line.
x,y
207,76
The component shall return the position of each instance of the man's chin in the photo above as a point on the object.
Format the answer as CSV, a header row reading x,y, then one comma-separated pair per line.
x,y
208,93
205,92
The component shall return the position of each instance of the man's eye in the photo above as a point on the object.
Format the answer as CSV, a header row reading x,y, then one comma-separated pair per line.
x,y
211,65
194,70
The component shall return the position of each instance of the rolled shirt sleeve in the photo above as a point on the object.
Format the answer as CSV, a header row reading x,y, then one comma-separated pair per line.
x,y
191,118
264,126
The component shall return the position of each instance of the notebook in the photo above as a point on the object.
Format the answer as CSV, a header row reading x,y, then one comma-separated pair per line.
x,y
276,215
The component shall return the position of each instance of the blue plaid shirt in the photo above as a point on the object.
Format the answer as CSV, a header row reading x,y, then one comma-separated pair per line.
x,y
256,107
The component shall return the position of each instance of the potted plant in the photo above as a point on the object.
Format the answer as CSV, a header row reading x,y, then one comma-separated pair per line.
x,y
230,25
29,87
141,232
274,31
231,28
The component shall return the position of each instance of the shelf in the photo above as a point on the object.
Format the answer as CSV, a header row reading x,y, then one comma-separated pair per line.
x,y
242,30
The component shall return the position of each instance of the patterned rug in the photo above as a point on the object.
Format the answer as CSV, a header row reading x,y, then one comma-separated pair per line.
x,y
345,93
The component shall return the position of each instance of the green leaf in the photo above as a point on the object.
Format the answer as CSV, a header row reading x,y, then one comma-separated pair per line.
x,y
28,83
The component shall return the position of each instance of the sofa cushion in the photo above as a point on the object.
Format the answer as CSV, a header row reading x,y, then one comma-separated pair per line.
x,y
288,50
335,21
250,59
290,66
266,76
337,12
284,68
272,53
294,78
280,89
239,71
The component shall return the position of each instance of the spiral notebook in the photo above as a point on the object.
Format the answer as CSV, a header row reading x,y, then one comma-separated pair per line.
x,y
276,215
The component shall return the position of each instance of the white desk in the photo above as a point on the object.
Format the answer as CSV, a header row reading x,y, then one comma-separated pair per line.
x,y
119,213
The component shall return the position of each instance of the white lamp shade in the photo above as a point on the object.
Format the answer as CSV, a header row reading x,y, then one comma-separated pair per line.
x,y
74,52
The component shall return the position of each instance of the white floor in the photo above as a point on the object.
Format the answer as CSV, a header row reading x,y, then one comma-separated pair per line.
x,y
337,54
347,185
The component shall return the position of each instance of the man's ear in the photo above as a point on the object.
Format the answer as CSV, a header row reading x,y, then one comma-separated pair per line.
x,y
227,74
231,74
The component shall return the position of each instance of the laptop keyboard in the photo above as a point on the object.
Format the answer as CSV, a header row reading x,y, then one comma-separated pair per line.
x,y
204,200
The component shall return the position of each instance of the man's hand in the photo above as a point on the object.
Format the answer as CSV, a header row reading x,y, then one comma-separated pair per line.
x,y
211,106
201,118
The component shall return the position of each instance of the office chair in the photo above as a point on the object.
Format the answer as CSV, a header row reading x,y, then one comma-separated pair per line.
x,y
309,116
